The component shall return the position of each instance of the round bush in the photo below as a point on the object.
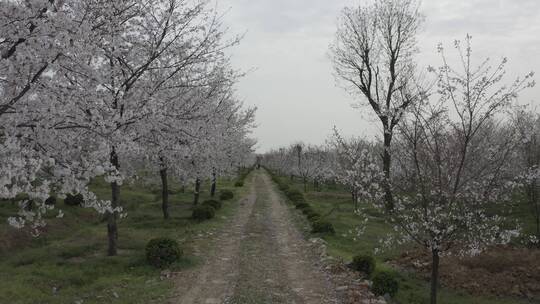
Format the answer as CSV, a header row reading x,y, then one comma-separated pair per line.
x,y
74,200
307,210
314,217
322,227
213,203
51,201
226,195
385,282
239,184
295,196
162,252
283,187
203,212
363,263
303,206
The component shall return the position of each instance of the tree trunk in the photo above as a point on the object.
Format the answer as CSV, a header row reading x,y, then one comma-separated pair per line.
x,y
536,208
538,227
537,215
112,228
213,187
434,275
196,193
164,192
387,162
355,200
29,206
305,185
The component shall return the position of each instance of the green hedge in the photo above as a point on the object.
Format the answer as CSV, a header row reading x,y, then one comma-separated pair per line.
x,y
363,263
322,226
385,282
203,212
213,203
162,252
226,195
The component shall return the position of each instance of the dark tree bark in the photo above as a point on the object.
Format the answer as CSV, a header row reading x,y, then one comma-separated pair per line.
x,y
355,200
197,189
29,206
112,228
387,162
164,192
213,187
434,275
532,193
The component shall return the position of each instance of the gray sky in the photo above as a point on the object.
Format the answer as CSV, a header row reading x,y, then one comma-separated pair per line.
x,y
292,82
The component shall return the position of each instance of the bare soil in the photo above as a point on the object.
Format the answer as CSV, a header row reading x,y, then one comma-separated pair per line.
x,y
501,271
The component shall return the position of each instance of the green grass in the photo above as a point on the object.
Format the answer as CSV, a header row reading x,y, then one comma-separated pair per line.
x,y
68,262
335,204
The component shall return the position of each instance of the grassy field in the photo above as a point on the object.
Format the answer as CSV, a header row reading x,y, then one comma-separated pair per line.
x,y
68,264
335,203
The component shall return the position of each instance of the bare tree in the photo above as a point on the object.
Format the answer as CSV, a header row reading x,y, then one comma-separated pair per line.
x,y
373,54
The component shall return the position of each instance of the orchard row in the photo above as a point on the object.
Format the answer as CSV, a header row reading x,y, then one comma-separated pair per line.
x,y
114,88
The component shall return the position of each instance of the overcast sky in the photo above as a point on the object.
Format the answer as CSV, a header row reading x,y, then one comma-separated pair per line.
x,y
292,82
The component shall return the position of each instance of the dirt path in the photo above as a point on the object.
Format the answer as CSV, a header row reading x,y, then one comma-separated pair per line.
x,y
260,257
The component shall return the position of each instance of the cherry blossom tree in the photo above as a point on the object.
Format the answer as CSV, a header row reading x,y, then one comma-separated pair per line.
x,y
455,162
528,164
356,168
280,160
133,75
190,115
310,162
83,111
38,38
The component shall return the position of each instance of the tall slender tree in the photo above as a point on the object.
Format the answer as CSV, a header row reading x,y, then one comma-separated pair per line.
x,y
373,57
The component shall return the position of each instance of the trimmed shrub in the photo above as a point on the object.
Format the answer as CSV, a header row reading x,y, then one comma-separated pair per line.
x,y
385,282
307,210
162,252
74,200
314,217
283,187
302,206
203,212
363,263
213,203
242,175
295,196
321,226
226,195
50,201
